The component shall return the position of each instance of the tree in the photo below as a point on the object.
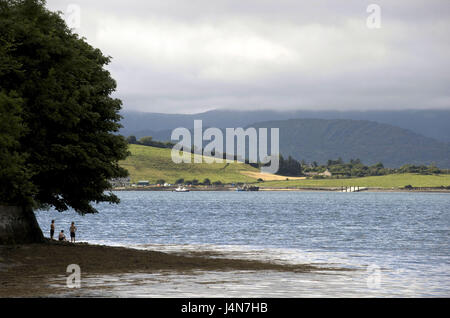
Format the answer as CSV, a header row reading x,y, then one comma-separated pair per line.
x,y
14,176
289,167
207,181
146,141
378,165
132,140
56,85
15,185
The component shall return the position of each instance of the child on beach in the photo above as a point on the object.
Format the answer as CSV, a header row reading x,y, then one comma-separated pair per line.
x,y
52,229
73,229
62,236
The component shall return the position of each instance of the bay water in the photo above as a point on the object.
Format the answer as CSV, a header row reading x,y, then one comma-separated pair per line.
x,y
394,244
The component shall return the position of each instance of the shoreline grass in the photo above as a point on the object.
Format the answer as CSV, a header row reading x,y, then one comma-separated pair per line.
x,y
391,181
152,164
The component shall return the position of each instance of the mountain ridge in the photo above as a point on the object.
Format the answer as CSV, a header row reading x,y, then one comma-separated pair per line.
x,y
372,142
322,139
430,123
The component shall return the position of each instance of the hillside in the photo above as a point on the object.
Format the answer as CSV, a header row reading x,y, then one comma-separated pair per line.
x,y
320,140
429,123
152,164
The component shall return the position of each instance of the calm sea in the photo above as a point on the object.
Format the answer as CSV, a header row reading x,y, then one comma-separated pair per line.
x,y
398,243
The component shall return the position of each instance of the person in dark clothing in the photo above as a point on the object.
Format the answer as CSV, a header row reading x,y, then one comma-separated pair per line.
x,y
62,236
52,229
73,229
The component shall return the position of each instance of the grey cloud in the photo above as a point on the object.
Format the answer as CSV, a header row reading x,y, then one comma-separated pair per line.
x,y
189,56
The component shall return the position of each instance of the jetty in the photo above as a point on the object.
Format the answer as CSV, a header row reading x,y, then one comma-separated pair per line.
x,y
353,189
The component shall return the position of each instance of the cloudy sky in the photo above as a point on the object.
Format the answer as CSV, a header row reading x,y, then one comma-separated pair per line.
x,y
195,55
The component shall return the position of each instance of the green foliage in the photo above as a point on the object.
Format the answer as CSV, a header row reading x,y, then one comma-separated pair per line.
x,y
422,169
15,187
354,168
67,147
289,167
132,140
148,141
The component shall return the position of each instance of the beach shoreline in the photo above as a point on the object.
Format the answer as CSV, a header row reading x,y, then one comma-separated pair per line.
x,y
26,270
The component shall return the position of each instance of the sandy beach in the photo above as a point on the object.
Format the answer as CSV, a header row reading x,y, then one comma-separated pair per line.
x,y
25,270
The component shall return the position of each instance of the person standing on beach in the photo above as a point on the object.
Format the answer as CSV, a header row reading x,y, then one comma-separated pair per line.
x,y
52,229
73,229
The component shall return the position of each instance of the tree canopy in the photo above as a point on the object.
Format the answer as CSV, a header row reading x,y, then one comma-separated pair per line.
x,y
57,117
289,167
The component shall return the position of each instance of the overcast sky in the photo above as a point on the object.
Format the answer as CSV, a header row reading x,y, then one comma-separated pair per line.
x,y
195,55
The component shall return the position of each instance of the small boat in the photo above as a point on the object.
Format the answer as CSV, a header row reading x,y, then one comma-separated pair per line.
x,y
247,188
181,189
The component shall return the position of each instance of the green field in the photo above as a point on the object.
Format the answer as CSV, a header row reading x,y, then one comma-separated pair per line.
x,y
152,164
387,182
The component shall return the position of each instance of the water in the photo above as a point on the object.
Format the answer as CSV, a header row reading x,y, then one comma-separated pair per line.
x,y
397,242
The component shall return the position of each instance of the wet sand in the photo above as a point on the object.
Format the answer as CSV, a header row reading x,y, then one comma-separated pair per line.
x,y
25,270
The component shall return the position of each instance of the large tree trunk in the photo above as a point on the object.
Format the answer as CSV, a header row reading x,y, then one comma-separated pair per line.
x,y
19,226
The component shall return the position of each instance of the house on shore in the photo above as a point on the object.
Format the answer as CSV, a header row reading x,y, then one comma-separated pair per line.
x,y
143,183
120,182
326,173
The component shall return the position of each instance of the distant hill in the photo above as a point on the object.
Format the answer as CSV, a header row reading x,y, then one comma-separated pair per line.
x,y
430,123
320,140
152,164
323,139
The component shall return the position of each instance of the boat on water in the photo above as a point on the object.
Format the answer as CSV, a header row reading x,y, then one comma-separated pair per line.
x,y
181,189
247,188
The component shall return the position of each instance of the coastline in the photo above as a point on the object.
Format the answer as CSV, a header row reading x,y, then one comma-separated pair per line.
x,y
26,270
430,190
304,189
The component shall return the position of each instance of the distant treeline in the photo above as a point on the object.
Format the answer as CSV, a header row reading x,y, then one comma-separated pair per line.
x,y
148,141
355,168
195,182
